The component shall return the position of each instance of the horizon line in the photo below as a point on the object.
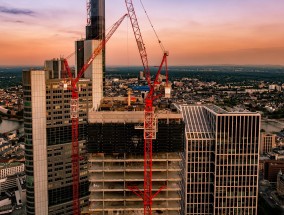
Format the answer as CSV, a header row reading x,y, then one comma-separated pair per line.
x,y
193,65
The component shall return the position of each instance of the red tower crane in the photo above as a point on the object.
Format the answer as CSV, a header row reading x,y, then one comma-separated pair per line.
x,y
74,112
150,126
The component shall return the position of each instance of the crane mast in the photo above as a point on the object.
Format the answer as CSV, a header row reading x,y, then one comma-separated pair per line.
x,y
74,114
150,122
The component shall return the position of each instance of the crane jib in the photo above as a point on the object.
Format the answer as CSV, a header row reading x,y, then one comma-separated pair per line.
x,y
140,46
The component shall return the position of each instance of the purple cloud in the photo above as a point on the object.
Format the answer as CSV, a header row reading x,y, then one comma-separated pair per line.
x,y
16,11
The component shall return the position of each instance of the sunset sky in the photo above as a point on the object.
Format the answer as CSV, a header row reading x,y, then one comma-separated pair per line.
x,y
195,32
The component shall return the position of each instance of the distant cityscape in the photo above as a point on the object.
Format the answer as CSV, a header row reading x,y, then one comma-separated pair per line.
x,y
264,97
244,88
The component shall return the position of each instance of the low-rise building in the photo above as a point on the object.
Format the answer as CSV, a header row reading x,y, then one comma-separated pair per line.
x,y
268,141
271,169
9,169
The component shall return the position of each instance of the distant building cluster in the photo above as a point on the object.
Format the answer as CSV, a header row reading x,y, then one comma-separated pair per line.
x,y
12,187
263,97
271,165
11,100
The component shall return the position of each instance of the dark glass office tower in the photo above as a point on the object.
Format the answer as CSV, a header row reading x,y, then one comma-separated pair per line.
x,y
95,29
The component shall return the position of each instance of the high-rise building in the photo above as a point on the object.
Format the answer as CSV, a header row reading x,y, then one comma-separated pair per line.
x,y
95,33
116,161
48,146
221,161
95,29
48,124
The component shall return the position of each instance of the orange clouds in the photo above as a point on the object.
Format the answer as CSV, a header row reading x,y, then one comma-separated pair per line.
x,y
194,32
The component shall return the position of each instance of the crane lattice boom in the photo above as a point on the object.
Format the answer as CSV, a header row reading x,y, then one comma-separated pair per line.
x,y
74,112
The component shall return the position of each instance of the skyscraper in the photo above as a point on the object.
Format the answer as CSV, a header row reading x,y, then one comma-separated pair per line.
x,y
48,145
95,33
48,124
95,29
222,161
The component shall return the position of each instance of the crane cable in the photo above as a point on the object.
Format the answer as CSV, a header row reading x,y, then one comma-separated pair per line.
x,y
127,48
160,42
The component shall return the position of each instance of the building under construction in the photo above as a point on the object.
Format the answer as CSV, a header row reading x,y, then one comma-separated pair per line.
x,y
120,156
116,162
62,116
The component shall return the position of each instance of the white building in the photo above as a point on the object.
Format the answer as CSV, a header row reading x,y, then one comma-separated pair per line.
x,y
272,87
8,169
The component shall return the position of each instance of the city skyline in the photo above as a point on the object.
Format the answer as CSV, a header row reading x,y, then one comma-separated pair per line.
x,y
194,32
96,142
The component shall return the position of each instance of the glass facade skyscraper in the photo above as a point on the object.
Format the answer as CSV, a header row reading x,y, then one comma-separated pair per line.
x,y
222,161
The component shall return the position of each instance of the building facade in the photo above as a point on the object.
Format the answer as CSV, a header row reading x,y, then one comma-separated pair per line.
x,y
272,168
268,141
116,162
95,33
10,175
47,125
8,169
222,161
55,68
280,183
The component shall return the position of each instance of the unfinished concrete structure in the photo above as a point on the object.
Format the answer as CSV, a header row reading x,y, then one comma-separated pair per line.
x,y
116,144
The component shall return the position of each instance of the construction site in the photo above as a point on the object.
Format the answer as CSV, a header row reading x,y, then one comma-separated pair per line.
x,y
116,162
102,156
135,148
137,153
